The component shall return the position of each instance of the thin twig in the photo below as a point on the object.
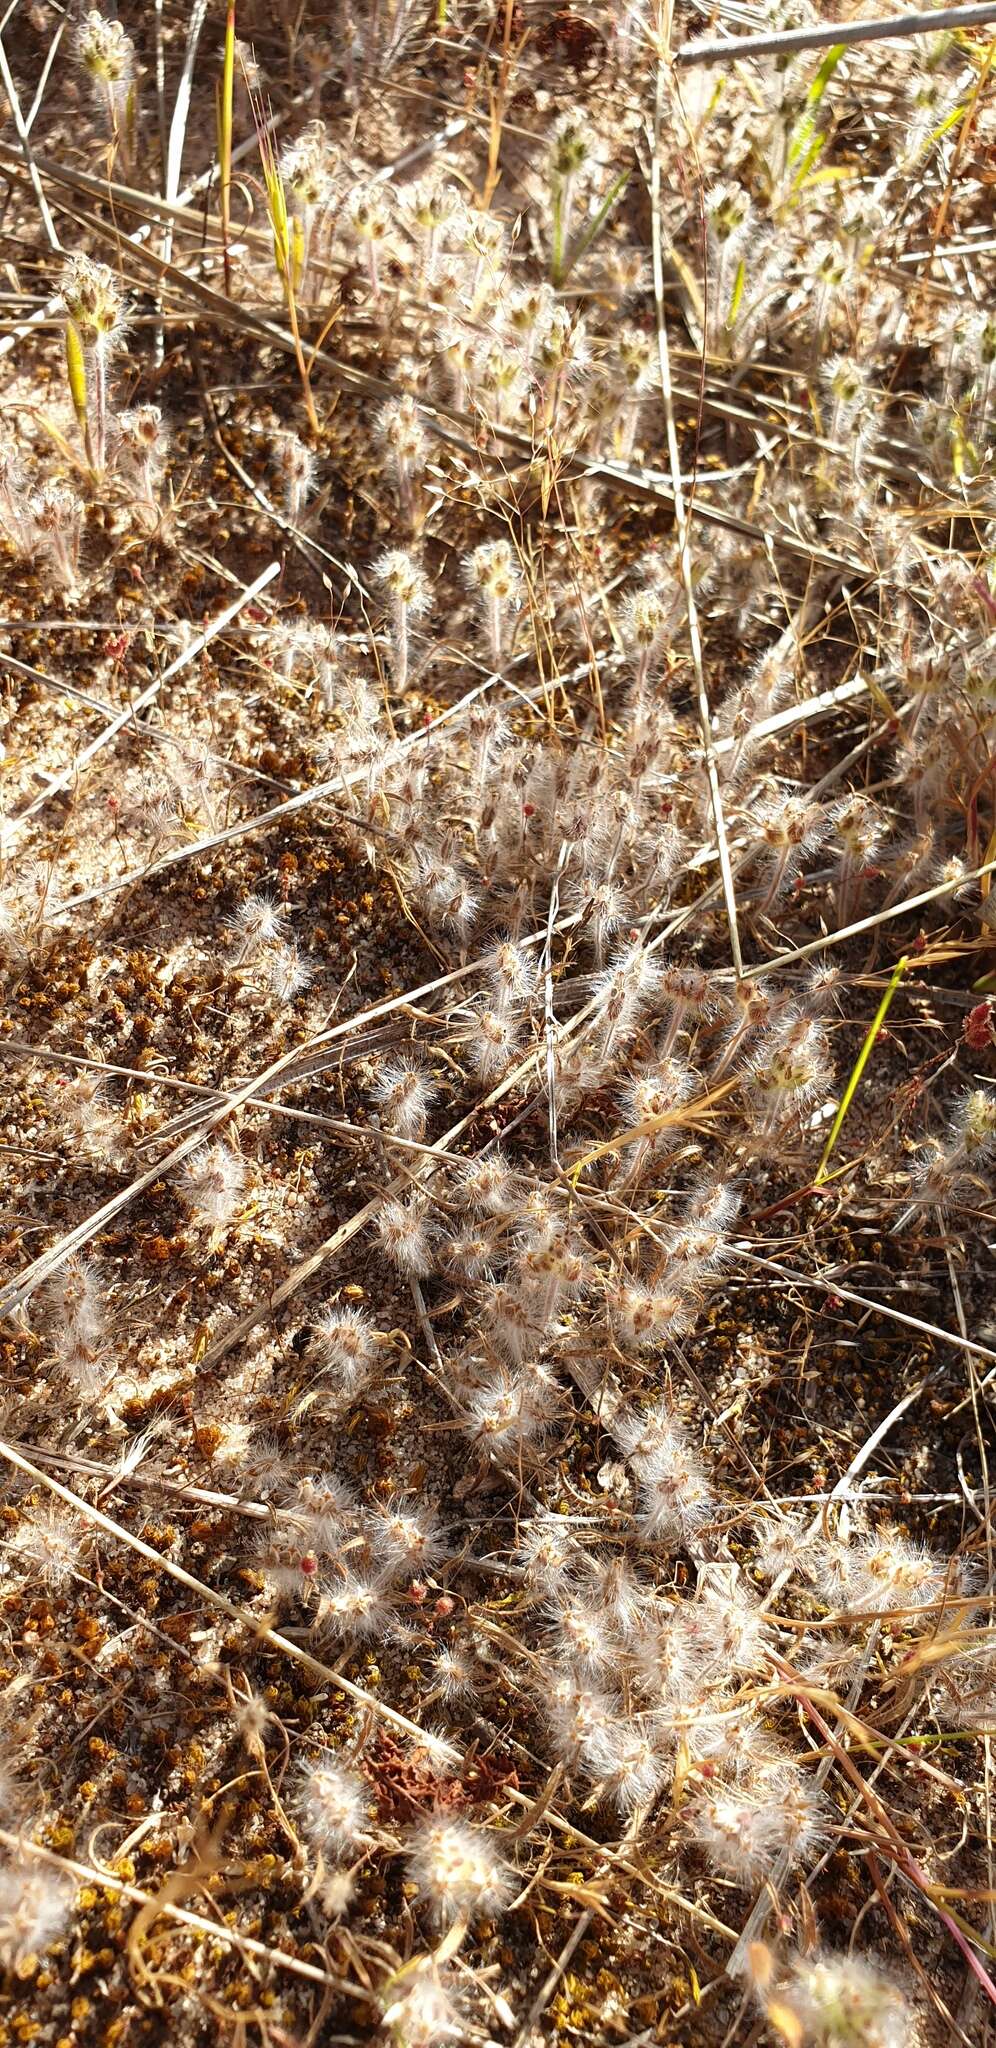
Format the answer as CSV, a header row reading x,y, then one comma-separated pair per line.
x,y
827,1284
146,696
868,924
443,419
216,1930
654,136
379,1708
24,140
831,34
18,1291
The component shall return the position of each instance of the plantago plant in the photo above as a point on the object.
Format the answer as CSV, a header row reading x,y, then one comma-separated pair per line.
x,y
497,915
95,326
107,55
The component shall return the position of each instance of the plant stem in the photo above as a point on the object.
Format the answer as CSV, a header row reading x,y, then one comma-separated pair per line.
x,y
557,206
97,388
225,142
401,646
299,355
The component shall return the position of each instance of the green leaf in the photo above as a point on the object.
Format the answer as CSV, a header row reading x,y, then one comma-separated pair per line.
x,y
808,161
804,129
297,252
736,295
831,174
949,121
859,1067
800,138
76,373
582,246
824,75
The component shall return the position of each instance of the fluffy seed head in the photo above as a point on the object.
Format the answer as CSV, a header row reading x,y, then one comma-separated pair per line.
x,y
431,203
142,435
728,211
35,1905
580,1627
492,569
355,1607
105,51
92,300
491,1038
347,1342
842,2002
47,1542
648,1317
513,971
258,921
306,170
560,343
406,1237
408,585
295,465
737,1835
859,828
575,1713
634,358
368,213
644,618
976,1122
408,1534
405,1092
426,2014
211,1182
456,1675
401,430
76,1300
657,1090
889,1570
509,1409
625,1762
333,1803
546,1551
570,146
285,973
457,1870
488,1183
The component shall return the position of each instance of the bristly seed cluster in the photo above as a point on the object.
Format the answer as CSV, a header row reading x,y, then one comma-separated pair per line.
x,y
499,1036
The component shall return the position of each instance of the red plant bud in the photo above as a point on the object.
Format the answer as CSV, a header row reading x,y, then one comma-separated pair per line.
x,y
977,1031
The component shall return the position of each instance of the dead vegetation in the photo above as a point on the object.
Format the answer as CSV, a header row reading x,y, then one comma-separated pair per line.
x,y
497,1240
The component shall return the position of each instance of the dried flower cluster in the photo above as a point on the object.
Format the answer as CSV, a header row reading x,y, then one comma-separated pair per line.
x,y
497,940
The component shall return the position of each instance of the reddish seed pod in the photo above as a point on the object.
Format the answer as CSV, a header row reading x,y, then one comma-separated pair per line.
x,y
977,1030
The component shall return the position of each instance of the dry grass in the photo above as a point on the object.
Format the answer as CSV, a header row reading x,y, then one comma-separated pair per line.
x,y
596,835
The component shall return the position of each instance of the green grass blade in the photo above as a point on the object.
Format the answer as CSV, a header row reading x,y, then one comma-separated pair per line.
x,y
859,1067
582,246
824,75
